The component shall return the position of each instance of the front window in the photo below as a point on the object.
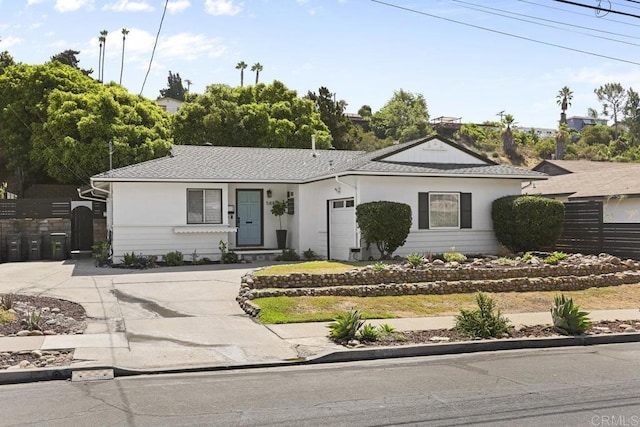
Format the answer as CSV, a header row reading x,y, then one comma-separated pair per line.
x,y
444,210
204,206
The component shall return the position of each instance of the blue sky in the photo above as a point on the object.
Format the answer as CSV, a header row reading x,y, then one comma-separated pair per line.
x,y
360,49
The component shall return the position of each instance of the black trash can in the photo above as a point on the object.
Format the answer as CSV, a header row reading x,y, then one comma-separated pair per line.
x,y
34,245
58,246
14,247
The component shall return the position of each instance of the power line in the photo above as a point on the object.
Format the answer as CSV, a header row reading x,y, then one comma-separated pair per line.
x,y
406,9
155,44
598,8
573,12
543,19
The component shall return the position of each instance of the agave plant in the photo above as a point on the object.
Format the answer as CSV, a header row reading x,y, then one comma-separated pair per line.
x,y
567,317
345,326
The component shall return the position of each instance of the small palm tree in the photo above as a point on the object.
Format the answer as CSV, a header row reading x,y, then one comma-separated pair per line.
x,y
563,99
257,67
241,66
124,37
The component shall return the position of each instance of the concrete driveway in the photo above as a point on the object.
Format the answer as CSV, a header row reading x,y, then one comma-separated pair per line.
x,y
158,318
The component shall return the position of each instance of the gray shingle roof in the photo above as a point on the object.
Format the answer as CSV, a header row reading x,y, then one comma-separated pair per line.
x,y
232,164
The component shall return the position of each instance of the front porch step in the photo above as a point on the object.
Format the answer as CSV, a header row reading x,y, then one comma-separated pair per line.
x,y
257,254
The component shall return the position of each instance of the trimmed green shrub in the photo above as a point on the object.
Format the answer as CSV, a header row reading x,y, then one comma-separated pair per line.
x,y
525,223
555,257
567,317
484,322
345,326
386,224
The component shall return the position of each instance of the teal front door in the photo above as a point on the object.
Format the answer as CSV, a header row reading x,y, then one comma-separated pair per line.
x,y
249,217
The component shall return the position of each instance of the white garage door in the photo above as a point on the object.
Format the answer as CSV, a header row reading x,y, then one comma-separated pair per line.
x,y
342,231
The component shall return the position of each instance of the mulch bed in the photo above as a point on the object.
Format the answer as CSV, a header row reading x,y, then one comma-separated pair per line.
x,y
538,331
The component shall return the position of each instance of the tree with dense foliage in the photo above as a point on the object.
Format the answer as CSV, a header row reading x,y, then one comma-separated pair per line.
x,y
174,88
124,38
386,224
257,68
404,117
69,57
612,96
241,66
527,223
6,60
332,115
365,111
251,116
74,141
55,122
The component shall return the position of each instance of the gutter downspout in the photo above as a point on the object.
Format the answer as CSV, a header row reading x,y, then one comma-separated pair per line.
x,y
94,199
355,203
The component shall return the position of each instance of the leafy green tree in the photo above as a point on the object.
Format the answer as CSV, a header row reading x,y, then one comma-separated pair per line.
x,y
594,135
365,111
632,113
6,60
252,116
174,89
75,138
24,102
332,115
69,57
404,117
384,223
612,96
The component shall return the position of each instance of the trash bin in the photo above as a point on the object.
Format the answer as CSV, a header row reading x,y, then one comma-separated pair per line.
x,y
14,247
58,246
34,245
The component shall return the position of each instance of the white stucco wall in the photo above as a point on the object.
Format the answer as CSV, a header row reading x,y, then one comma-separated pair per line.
x,y
621,210
479,239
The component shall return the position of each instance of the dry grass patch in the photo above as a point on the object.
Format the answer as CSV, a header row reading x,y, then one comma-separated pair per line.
x,y
313,309
310,267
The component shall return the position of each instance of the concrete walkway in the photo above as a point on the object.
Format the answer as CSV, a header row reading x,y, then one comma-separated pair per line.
x,y
182,317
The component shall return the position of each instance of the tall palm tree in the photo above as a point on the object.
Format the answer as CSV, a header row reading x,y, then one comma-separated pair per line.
x,y
103,40
100,40
563,99
257,67
124,37
241,66
507,136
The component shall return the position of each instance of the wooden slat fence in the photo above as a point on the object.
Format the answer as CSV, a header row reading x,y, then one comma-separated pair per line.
x,y
584,231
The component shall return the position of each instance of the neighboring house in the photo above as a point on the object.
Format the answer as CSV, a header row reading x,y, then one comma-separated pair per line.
x,y
169,105
541,132
579,122
199,195
616,184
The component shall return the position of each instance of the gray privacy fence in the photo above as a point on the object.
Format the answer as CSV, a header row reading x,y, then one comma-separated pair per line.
x,y
585,231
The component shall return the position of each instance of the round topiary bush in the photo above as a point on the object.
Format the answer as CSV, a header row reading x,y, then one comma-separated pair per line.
x,y
386,224
527,223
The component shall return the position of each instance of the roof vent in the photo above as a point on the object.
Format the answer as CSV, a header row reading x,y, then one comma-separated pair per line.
x,y
330,165
313,146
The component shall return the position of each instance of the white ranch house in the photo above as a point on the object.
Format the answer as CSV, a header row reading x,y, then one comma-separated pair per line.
x,y
199,195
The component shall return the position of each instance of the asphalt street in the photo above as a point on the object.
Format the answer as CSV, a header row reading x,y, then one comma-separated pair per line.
x,y
586,386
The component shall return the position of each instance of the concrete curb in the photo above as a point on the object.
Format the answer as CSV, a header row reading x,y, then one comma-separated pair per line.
x,y
349,355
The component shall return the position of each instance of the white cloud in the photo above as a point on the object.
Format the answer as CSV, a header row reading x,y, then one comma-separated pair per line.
x,y
222,7
9,42
30,2
178,6
71,5
189,47
128,6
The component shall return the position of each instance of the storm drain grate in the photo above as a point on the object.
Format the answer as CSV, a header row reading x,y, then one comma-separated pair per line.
x,y
92,375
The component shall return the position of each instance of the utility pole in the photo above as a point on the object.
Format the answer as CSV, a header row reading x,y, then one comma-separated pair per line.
x,y
501,113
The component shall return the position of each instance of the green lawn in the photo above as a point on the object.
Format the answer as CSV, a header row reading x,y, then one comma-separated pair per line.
x,y
318,309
